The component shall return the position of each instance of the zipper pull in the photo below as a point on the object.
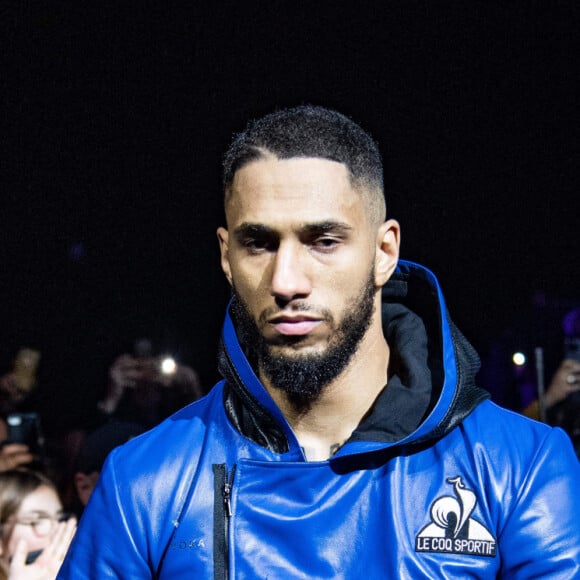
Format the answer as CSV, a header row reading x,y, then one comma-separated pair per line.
x,y
227,493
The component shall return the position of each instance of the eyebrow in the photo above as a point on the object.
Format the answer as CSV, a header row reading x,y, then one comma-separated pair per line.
x,y
327,226
38,514
247,229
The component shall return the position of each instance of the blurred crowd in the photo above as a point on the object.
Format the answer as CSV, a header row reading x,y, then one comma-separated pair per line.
x,y
538,373
46,479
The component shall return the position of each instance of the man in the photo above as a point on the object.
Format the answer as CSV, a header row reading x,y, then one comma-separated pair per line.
x,y
348,438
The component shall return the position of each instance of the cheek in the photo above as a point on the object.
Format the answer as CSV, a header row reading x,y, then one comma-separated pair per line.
x,y
33,542
346,283
251,285
248,271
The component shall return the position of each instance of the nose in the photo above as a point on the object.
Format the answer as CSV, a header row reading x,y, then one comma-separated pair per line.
x,y
290,279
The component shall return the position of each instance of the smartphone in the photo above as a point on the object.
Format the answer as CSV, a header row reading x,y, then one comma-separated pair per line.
x,y
25,428
32,556
572,348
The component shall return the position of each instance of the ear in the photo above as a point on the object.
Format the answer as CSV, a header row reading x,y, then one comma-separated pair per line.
x,y
223,237
387,251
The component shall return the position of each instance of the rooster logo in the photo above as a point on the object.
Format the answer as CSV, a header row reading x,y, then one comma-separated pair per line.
x,y
452,529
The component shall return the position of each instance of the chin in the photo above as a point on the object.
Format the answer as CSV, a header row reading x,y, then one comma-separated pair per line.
x,y
297,351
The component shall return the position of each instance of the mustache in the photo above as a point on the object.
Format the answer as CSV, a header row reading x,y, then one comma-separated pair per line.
x,y
295,308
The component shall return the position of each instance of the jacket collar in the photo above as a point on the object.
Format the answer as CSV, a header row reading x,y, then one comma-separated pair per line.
x,y
431,386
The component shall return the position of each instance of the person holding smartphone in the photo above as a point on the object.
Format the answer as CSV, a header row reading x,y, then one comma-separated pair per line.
x,y
13,455
18,386
562,398
21,440
146,389
565,411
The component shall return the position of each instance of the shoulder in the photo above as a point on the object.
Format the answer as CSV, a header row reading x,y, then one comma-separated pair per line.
x,y
529,477
489,417
517,444
176,440
498,424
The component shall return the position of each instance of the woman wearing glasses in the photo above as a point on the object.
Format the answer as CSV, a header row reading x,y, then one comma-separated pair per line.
x,y
34,532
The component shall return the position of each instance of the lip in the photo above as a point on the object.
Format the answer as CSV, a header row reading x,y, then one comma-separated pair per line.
x,y
294,325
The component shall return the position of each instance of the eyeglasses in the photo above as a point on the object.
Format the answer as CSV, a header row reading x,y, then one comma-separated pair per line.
x,y
42,524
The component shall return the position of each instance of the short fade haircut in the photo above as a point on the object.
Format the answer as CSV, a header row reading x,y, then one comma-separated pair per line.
x,y
311,131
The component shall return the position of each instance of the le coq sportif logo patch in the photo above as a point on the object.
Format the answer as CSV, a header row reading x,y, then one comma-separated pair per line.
x,y
452,530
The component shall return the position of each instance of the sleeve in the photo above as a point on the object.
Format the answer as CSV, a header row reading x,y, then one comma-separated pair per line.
x,y
104,545
541,538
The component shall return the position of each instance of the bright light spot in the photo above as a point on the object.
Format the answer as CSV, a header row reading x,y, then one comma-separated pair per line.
x,y
168,366
519,359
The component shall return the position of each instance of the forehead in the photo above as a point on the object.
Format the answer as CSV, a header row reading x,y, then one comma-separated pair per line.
x,y
300,189
42,499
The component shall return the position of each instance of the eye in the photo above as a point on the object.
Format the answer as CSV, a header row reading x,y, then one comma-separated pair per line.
x,y
257,245
325,243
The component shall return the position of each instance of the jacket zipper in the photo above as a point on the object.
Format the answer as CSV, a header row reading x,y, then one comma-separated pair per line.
x,y
222,513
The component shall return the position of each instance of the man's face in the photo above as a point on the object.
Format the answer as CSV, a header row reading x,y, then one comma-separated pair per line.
x,y
301,254
303,377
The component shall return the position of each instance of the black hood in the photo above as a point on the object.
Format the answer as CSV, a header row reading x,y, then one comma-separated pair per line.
x,y
431,378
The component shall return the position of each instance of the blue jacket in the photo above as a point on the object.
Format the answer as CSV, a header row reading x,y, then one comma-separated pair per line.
x,y
438,482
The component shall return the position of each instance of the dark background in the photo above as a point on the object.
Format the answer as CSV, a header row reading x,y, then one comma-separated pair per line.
x,y
115,117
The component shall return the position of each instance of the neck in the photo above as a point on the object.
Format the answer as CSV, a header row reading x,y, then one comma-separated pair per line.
x,y
325,424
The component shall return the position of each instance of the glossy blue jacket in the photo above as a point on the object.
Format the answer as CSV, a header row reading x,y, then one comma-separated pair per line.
x,y
438,482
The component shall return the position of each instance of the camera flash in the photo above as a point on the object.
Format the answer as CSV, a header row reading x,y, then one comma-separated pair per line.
x,y
168,366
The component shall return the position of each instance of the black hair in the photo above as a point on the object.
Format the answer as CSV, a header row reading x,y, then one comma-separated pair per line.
x,y
308,131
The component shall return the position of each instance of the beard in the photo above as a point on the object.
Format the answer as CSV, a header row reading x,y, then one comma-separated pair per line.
x,y
303,377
